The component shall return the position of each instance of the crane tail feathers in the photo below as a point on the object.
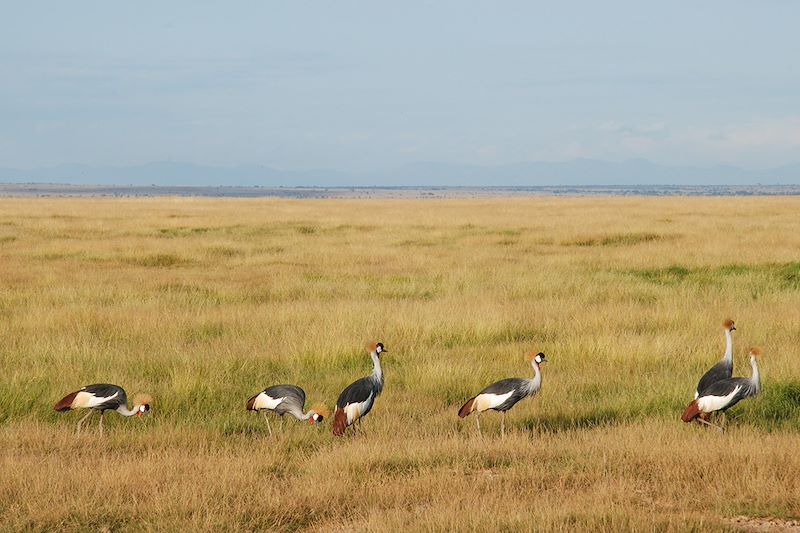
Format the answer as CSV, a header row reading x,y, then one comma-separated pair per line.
x,y
691,412
339,422
251,403
467,408
65,403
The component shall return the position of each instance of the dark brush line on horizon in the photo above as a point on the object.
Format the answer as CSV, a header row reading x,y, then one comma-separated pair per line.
x,y
423,192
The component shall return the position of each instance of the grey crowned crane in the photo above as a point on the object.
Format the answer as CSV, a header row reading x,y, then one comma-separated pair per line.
x,y
356,401
285,399
724,394
504,394
724,368
103,397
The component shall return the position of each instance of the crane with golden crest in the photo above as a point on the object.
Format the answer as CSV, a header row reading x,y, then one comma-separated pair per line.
x,y
504,394
102,397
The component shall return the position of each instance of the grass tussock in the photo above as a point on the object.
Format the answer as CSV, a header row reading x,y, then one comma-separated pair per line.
x,y
204,302
156,260
619,239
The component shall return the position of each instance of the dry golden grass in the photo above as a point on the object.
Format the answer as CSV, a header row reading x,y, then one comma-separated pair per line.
x,y
202,303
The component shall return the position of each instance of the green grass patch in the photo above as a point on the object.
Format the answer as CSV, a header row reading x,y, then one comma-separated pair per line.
x,y
617,239
785,275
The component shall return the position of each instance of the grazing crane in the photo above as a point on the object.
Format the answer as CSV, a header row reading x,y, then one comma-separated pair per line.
x,y
103,397
358,398
504,394
724,368
724,394
283,399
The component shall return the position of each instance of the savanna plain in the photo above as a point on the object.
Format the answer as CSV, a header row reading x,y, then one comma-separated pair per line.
x,y
204,302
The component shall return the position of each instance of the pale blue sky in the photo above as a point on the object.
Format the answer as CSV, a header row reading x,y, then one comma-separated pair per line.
x,y
356,86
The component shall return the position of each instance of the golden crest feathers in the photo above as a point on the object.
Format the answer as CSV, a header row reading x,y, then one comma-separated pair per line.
x,y
142,399
322,410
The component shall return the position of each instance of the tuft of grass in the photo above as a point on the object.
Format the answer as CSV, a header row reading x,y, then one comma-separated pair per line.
x,y
182,231
306,229
619,239
664,276
157,260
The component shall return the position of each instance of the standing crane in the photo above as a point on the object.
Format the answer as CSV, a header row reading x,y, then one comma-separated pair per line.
x,y
724,368
283,399
504,394
356,401
724,394
103,397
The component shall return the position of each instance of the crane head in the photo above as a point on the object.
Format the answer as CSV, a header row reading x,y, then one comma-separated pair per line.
x,y
319,413
376,348
755,351
728,325
142,404
538,358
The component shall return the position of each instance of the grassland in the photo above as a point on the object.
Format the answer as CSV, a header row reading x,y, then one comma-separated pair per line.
x,y
203,302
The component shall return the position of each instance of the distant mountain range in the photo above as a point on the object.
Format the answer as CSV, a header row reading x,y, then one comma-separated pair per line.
x,y
574,172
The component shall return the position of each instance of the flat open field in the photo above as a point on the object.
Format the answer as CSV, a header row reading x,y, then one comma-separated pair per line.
x,y
204,302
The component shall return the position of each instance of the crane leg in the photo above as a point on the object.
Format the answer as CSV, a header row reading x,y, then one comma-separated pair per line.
x,y
503,426
281,423
720,428
268,426
101,422
80,422
478,421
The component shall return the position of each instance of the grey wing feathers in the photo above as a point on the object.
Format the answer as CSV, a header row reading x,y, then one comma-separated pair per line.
x,y
106,390
504,386
720,371
726,386
519,389
293,392
356,392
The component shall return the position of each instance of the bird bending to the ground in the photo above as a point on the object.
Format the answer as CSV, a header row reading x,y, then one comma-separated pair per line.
x,y
504,394
724,368
283,399
103,397
358,398
724,394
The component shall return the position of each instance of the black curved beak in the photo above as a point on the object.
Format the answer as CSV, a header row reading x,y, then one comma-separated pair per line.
x,y
733,328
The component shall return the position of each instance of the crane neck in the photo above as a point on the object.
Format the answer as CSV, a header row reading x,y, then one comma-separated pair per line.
x,y
124,411
756,377
300,415
377,371
728,357
537,376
